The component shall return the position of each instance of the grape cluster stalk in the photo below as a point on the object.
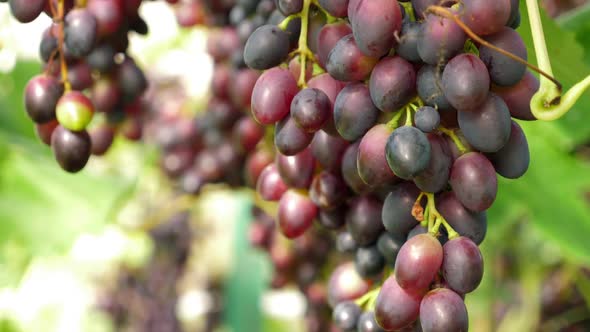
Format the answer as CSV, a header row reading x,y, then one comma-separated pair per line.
x,y
372,131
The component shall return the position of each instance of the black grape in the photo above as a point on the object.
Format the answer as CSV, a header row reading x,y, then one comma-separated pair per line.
x,y
467,223
354,111
327,190
512,161
392,83
329,35
332,219
367,323
345,243
397,209
102,58
407,46
436,176
440,39
363,220
407,152
41,95
487,128
427,119
71,149
465,82
290,7
328,150
267,47
389,246
429,86
503,70
26,10
346,315
80,32
131,79
310,109
290,139
462,265
369,262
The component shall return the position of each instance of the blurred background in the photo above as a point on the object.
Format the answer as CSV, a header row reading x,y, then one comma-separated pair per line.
x,y
114,244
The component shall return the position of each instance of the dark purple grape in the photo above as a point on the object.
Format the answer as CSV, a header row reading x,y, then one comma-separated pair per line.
x,y
297,170
272,95
392,83
389,246
80,32
270,186
102,58
109,15
473,179
266,47
417,230
367,323
296,213
408,152
487,128
354,111
26,10
328,37
346,315
332,219
436,176
291,139
486,17
368,261
395,307
247,133
466,82
363,220
440,39
374,25
420,7
467,223
514,19
131,80
102,139
345,284
80,76
443,310
241,87
336,8
350,171
462,265
345,243
347,63
41,95
429,86
503,70
418,262
327,190
518,97
49,45
328,151
407,45
331,88
397,209
371,163
512,161
290,7
71,149
310,109
427,119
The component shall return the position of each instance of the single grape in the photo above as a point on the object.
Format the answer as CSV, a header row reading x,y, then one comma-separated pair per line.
x,y
367,323
350,171
74,111
440,39
427,119
41,96
518,97
407,45
354,111
345,284
291,139
266,47
408,152
395,307
346,315
512,161
247,133
329,35
397,209
297,170
345,243
347,63
392,83
486,17
436,176
504,71
472,225
102,138
290,7
254,165
466,82
328,151
102,58
331,87
417,230
336,8
418,262
44,131
474,181
71,149
429,86
374,25
296,213
332,219
26,11
462,265
131,80
270,186
327,190
241,87
443,310
108,14
310,109
363,220
369,262
80,32
371,162
272,95
487,128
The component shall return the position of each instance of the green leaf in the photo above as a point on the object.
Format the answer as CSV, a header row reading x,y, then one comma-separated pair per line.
x,y
551,195
578,21
567,59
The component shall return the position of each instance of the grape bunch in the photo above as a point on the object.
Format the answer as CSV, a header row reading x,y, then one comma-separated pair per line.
x,y
391,121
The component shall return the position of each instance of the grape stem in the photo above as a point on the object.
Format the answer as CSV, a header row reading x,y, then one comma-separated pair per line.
x,y
60,37
367,301
548,104
451,133
435,219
